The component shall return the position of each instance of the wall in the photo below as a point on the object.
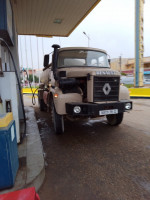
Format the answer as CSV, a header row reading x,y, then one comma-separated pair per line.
x,y
115,64
128,64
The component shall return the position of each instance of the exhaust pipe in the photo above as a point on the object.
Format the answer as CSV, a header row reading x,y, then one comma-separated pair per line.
x,y
55,56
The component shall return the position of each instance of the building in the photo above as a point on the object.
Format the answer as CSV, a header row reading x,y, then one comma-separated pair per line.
x,y
128,66
116,65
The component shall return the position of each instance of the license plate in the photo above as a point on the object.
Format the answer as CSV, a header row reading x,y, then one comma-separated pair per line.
x,y
108,112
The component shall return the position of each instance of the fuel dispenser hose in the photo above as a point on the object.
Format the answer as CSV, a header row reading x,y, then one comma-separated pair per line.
x,y
19,86
33,93
33,97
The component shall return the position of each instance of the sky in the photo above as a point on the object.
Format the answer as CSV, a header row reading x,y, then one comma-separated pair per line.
x,y
110,26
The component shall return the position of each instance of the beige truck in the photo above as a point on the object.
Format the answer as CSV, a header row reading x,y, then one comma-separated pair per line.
x,y
78,83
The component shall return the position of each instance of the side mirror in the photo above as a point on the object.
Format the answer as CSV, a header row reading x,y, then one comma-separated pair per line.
x,y
46,60
109,60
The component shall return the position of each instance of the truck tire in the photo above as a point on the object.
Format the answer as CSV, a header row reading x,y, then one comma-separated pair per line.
x,y
58,121
41,104
114,120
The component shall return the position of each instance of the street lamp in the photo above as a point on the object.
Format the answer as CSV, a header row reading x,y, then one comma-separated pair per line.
x,y
87,38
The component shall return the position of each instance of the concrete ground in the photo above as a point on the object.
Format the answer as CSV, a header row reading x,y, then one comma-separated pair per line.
x,y
92,160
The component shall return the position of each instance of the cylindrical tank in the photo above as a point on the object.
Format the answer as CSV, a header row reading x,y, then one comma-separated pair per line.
x,y
45,76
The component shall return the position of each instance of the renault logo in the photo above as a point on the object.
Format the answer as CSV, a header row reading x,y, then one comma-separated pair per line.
x,y
106,89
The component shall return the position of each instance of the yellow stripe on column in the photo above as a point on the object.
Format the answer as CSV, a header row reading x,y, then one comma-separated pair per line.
x,y
28,90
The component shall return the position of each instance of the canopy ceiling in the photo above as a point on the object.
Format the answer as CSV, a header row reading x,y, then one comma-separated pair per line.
x,y
50,17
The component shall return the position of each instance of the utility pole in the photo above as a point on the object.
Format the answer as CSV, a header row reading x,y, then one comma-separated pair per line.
x,y
139,47
32,63
120,62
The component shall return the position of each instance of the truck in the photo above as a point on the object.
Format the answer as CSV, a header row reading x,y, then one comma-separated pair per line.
x,y
79,83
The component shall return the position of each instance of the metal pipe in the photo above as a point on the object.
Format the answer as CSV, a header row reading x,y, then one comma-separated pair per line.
x,y
26,58
87,38
38,59
32,63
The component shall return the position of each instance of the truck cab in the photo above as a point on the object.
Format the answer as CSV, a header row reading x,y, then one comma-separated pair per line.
x,y
79,83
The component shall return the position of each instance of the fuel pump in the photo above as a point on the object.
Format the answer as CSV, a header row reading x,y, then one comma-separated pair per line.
x,y
10,89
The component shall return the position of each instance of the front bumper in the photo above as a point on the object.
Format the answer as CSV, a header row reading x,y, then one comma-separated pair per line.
x,y
93,109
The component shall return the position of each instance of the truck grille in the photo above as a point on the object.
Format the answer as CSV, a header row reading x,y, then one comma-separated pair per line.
x,y
106,89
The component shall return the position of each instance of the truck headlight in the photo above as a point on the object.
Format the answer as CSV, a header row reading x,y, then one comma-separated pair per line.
x,y
77,109
128,106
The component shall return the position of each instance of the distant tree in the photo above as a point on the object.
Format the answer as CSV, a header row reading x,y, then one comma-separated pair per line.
x,y
123,74
36,79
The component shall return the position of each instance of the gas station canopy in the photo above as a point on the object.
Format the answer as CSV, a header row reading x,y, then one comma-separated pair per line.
x,y
50,17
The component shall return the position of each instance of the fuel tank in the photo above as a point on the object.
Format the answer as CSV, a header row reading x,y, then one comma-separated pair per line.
x,y
45,76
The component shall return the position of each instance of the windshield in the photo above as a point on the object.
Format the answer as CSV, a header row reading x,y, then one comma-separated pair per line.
x,y
82,58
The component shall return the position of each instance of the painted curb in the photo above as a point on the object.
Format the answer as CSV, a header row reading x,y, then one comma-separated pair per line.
x,y
134,92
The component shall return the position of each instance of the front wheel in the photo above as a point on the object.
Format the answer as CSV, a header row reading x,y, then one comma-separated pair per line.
x,y
58,121
114,120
